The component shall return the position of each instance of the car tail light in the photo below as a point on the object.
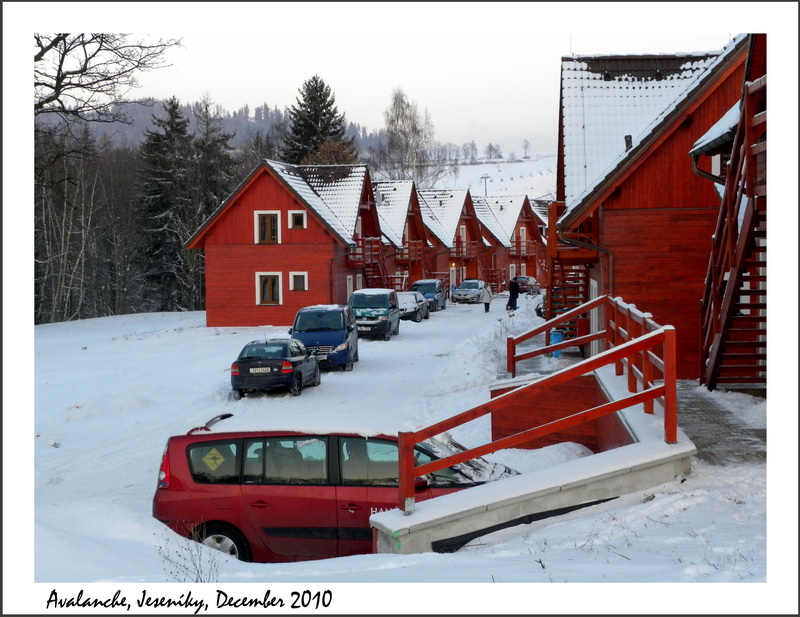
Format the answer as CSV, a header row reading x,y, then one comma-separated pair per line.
x,y
234,369
287,367
163,474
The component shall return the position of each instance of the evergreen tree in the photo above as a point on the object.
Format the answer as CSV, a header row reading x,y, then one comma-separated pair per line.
x,y
315,121
165,178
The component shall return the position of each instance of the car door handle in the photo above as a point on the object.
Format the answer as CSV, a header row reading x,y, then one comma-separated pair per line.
x,y
351,507
258,504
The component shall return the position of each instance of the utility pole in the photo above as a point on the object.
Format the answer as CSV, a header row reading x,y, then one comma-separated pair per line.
x,y
485,177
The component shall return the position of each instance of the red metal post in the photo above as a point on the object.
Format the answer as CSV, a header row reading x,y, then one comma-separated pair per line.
x,y
405,444
511,361
670,386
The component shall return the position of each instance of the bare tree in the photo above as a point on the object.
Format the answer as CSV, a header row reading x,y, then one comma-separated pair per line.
x,y
411,152
86,76
78,79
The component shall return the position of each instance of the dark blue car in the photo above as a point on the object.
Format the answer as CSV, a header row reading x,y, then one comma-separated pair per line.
x,y
329,332
274,364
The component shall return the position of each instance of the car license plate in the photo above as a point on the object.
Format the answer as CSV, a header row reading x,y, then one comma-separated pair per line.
x,y
363,328
322,357
260,369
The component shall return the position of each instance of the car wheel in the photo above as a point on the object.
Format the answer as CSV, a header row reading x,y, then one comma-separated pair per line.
x,y
349,365
388,335
237,395
355,358
224,538
418,316
397,329
317,377
427,314
297,385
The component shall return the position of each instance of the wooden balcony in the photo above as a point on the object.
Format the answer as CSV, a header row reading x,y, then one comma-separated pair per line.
x,y
410,253
465,250
363,252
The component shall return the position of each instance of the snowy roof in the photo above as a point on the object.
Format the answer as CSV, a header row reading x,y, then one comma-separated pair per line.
x,y
540,208
721,133
393,202
611,104
340,187
446,207
294,177
489,219
507,209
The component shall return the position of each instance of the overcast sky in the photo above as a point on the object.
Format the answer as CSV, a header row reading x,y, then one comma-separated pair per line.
x,y
483,71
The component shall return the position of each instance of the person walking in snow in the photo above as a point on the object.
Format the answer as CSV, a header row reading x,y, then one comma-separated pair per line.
x,y
486,297
513,293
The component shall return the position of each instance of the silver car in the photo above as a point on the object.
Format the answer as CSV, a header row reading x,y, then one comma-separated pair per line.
x,y
469,291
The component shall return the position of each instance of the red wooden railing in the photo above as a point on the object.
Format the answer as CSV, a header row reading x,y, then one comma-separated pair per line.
x,y
638,346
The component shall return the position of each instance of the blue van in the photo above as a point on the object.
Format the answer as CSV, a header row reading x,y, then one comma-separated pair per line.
x,y
433,290
329,332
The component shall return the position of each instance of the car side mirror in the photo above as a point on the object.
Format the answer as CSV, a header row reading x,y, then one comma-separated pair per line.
x,y
290,330
350,328
420,483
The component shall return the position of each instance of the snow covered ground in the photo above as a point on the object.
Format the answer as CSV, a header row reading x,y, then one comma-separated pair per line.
x,y
108,392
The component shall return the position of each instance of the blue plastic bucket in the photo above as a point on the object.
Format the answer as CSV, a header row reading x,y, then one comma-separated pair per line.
x,y
556,336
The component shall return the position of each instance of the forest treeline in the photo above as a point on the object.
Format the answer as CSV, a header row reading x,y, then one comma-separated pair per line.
x,y
120,186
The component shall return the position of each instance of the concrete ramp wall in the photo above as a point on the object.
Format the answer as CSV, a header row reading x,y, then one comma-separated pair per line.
x,y
447,522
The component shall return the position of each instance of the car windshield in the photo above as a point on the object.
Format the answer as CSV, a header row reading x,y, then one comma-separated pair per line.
x,y
425,288
469,285
263,351
368,301
319,320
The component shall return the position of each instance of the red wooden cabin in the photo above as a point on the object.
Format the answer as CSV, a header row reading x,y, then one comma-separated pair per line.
x,y
453,220
407,258
290,236
631,218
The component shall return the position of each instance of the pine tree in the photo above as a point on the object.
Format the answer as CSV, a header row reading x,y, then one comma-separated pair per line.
x,y
315,121
165,178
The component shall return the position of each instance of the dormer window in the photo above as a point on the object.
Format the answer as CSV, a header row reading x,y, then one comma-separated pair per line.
x,y
267,227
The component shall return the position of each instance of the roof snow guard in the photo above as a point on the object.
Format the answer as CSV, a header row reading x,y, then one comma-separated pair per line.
x,y
612,104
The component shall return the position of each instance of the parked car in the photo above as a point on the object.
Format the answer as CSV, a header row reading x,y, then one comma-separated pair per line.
x,y
293,496
329,332
413,306
434,292
528,285
377,312
469,291
274,363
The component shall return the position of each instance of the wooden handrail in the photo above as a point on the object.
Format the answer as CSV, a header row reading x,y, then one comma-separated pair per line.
x,y
636,354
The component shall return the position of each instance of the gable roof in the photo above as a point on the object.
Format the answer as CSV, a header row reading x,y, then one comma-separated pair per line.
x,y
331,192
446,207
393,199
488,216
608,99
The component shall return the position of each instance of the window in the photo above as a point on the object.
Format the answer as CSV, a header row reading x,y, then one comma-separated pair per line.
x,y
267,227
286,460
297,219
214,463
298,281
268,288
367,461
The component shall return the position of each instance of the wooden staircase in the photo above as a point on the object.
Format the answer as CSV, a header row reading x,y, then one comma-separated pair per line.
x,y
734,326
568,288
375,273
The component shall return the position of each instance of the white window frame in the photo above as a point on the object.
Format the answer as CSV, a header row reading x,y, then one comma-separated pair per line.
x,y
349,284
258,287
290,216
256,214
291,280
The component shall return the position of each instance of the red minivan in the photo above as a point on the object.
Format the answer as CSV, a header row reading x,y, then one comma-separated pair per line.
x,y
272,496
